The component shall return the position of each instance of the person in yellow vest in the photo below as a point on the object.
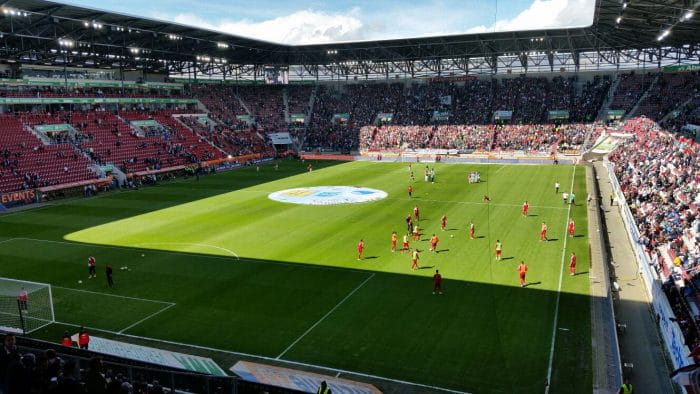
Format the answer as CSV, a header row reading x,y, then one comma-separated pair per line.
x,y
323,388
626,388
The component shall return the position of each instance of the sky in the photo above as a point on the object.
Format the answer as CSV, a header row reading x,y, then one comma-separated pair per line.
x,y
326,21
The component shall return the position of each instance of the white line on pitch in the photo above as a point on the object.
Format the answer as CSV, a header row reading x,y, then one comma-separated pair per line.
x,y
324,316
232,253
473,203
114,295
146,318
7,240
88,245
289,362
498,170
556,305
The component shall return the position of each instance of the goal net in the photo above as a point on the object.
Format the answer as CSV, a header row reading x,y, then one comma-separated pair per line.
x,y
25,306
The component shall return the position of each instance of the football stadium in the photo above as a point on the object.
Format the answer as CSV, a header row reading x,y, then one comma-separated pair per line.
x,y
429,197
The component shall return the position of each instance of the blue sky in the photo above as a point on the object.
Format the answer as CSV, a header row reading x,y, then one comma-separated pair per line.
x,y
323,21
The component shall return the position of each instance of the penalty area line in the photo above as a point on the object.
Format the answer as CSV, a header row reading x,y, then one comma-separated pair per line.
x,y
266,358
474,203
324,317
113,295
146,318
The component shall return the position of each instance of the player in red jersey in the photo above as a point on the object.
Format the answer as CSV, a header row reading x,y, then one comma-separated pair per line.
x,y
92,267
522,270
416,213
437,282
472,230
416,233
23,299
526,207
434,243
360,248
394,238
572,228
410,191
499,249
572,264
414,260
405,246
543,232
443,222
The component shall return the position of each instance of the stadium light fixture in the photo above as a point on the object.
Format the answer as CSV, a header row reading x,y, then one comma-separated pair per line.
x,y
624,5
687,16
222,45
663,35
14,12
64,42
618,20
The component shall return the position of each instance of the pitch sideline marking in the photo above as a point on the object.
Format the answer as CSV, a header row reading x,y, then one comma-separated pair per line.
x,y
556,305
147,317
7,240
232,253
215,257
266,358
324,316
114,295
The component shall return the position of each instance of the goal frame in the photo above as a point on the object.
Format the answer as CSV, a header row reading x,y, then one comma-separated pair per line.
x,y
22,318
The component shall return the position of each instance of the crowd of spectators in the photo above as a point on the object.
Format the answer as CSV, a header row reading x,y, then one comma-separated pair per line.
x,y
659,174
455,104
630,89
549,138
686,114
46,373
671,90
61,91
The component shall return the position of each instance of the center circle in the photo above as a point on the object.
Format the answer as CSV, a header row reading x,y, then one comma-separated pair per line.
x,y
328,195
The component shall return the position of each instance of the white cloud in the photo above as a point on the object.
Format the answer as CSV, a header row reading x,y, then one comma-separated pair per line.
x,y
545,14
431,19
301,27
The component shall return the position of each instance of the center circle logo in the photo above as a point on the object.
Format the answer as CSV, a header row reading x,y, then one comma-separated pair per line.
x,y
327,195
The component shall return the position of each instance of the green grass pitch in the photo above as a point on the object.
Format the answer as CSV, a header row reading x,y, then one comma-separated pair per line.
x,y
227,268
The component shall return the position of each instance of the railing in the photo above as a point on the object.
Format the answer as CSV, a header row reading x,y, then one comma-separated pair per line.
x,y
172,380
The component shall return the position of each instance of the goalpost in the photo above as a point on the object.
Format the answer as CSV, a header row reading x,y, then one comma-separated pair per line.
x,y
20,316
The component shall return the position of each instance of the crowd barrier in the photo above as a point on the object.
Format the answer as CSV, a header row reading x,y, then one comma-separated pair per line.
x,y
671,333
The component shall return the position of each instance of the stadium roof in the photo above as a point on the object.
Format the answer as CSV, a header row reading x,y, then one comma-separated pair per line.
x,y
45,32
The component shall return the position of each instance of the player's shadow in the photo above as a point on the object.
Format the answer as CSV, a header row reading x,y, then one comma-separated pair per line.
x,y
578,236
480,236
552,239
442,250
580,273
532,284
532,215
508,258
426,267
370,257
452,229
